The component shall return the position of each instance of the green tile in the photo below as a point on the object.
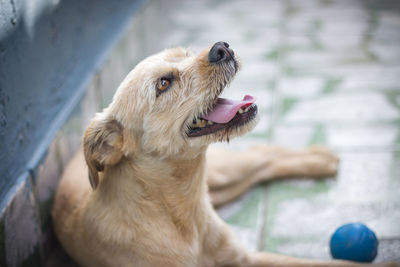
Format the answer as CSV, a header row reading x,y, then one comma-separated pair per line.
x,y
261,136
331,85
319,136
287,104
393,97
292,71
250,36
247,214
280,52
274,54
276,194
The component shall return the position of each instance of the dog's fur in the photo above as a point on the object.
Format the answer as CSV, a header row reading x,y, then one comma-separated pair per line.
x,y
149,203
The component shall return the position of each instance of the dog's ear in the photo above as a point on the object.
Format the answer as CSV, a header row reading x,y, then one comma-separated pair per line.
x,y
102,146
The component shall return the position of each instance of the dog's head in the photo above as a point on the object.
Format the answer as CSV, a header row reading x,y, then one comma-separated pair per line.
x,y
168,106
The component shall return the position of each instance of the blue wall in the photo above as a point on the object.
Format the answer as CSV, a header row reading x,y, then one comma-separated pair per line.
x,y
48,50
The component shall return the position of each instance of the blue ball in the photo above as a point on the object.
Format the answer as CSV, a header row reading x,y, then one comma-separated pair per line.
x,y
354,242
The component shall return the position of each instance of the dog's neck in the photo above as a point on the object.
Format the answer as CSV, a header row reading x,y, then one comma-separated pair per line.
x,y
173,186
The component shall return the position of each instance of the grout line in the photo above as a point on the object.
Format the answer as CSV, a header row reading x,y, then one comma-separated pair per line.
x,y
274,110
274,115
261,224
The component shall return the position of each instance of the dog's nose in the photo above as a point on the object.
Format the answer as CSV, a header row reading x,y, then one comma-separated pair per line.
x,y
220,52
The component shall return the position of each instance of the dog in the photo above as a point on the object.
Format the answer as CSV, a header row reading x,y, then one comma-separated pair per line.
x,y
142,189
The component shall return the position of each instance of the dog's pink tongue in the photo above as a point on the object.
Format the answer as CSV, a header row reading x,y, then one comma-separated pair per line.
x,y
226,109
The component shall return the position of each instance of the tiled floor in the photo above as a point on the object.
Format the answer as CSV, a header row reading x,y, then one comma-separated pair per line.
x,y
324,72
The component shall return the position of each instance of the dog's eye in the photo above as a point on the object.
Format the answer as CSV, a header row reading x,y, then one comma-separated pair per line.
x,y
164,84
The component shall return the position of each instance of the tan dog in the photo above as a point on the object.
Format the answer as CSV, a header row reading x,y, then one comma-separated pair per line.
x,y
146,157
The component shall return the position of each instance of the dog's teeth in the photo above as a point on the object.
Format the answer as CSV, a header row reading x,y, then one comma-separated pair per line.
x,y
240,111
247,109
202,123
210,123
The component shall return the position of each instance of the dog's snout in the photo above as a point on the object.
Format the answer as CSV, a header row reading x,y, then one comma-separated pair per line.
x,y
220,52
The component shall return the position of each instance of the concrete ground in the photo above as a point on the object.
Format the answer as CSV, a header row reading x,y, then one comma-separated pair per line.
x,y
324,72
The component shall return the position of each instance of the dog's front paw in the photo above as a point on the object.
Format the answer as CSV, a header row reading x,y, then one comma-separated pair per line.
x,y
326,161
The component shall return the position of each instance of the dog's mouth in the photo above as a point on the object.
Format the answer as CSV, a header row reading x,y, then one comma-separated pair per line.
x,y
225,114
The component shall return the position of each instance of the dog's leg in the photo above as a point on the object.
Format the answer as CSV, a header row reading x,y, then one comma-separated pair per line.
x,y
230,173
